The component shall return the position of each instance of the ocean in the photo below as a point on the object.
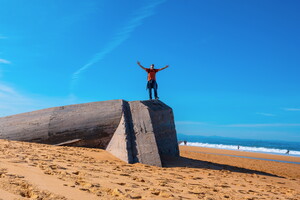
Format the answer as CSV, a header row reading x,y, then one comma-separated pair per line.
x,y
261,146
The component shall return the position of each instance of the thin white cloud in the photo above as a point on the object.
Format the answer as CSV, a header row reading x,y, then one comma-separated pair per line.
x,y
13,101
266,114
119,38
261,125
6,90
190,123
3,61
2,37
291,109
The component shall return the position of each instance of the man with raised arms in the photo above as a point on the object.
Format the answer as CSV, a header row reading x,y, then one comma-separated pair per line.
x,y
152,84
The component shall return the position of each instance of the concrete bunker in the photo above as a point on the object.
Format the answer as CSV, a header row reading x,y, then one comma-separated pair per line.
x,y
135,131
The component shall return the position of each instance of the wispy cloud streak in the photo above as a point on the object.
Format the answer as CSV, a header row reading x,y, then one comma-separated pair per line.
x,y
266,114
291,109
5,90
119,38
2,37
261,125
190,123
3,61
13,101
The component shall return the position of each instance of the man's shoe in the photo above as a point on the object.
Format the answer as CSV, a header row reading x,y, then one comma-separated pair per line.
x,y
156,98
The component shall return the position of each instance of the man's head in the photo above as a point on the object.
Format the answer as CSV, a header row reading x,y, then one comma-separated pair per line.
x,y
152,66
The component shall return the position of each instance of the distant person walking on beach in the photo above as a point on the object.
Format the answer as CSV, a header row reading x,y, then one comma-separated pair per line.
x,y
152,79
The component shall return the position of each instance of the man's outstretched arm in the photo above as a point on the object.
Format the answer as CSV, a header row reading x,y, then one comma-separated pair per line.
x,y
163,68
140,65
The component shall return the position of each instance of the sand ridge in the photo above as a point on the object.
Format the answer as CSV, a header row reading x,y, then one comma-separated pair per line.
x,y
39,171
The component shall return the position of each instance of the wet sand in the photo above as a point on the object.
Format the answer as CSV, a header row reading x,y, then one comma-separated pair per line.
x,y
38,171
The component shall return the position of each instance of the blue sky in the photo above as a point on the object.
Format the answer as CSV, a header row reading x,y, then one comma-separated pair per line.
x,y
234,65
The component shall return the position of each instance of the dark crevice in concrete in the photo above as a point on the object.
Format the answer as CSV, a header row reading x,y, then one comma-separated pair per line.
x,y
130,135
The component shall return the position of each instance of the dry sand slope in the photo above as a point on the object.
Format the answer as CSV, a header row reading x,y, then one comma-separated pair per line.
x,y
40,171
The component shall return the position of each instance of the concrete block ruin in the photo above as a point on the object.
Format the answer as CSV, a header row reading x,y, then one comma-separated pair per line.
x,y
135,131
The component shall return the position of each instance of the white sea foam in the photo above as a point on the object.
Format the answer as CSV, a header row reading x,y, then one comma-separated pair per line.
x,y
244,148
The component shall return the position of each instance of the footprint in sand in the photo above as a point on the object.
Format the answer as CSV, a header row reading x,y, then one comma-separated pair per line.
x,y
122,184
15,184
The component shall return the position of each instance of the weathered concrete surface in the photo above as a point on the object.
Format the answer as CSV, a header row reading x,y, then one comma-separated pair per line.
x,y
119,144
93,123
143,130
162,120
137,131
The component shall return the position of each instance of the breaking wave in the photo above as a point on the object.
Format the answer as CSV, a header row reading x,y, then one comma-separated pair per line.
x,y
245,148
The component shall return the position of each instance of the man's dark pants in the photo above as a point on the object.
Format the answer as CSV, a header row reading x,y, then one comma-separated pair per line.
x,y
152,84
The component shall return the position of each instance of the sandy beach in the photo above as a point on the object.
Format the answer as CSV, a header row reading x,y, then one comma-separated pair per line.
x,y
38,171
